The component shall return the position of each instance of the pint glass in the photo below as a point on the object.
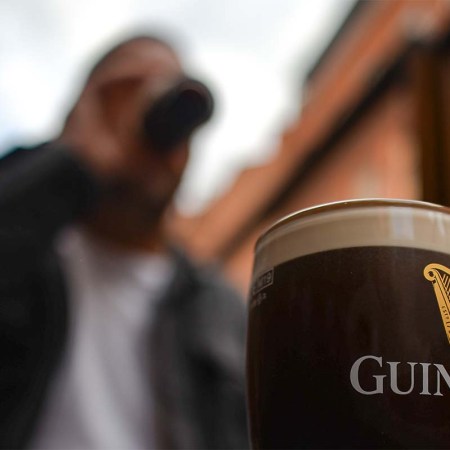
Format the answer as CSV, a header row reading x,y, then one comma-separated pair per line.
x,y
349,328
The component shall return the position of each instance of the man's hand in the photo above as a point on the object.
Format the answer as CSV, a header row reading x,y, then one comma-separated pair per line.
x,y
92,137
105,126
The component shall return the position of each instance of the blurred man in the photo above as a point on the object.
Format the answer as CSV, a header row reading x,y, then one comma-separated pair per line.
x,y
110,338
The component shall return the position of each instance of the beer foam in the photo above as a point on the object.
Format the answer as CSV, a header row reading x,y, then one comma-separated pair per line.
x,y
360,223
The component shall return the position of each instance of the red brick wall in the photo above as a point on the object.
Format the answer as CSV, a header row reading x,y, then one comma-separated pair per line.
x,y
379,156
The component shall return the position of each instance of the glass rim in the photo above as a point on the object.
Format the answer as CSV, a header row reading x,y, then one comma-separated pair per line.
x,y
347,205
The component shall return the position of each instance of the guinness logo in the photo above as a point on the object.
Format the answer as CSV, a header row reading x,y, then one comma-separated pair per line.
x,y
440,278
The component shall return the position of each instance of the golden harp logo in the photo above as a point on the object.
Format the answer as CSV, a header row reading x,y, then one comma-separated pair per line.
x,y
440,278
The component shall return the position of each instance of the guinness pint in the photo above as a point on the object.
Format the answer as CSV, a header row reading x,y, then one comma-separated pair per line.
x,y
349,328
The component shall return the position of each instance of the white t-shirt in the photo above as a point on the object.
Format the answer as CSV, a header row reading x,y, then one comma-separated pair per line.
x,y
100,398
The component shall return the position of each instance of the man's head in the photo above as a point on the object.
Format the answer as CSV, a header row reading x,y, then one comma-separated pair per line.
x,y
125,83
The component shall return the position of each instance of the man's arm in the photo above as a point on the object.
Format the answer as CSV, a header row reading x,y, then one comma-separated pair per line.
x,y
41,190
53,185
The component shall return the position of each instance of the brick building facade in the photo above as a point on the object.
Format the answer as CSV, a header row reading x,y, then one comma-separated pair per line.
x,y
375,123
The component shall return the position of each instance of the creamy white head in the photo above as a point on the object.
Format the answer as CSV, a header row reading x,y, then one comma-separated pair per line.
x,y
357,223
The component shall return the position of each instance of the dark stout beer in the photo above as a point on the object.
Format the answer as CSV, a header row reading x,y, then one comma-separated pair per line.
x,y
349,329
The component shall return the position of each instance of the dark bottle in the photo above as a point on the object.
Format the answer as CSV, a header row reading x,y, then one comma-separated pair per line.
x,y
177,113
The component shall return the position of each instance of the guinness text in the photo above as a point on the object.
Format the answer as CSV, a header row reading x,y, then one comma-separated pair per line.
x,y
400,378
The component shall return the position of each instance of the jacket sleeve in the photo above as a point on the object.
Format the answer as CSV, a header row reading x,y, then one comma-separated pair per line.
x,y
41,190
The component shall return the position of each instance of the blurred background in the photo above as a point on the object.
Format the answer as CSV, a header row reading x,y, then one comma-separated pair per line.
x,y
253,54
317,101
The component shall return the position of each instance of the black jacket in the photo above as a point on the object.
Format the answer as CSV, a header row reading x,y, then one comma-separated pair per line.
x,y
197,342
